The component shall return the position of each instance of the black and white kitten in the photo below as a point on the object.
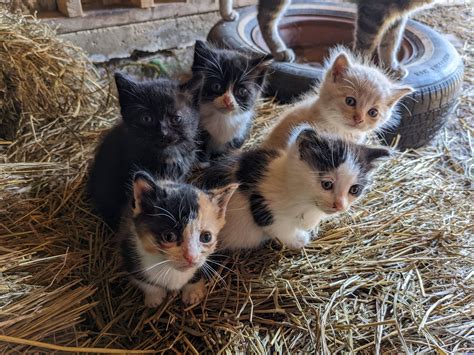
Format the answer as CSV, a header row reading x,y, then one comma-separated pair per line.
x,y
168,231
158,133
232,83
284,194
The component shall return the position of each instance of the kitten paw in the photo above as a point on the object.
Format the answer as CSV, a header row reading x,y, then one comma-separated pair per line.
x,y
301,239
155,298
232,16
286,55
194,292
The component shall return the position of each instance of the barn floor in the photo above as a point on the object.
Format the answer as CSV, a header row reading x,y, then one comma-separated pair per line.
x,y
393,274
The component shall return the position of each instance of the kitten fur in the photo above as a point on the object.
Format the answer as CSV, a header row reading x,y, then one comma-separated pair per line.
x,y
158,132
281,194
351,91
232,83
168,232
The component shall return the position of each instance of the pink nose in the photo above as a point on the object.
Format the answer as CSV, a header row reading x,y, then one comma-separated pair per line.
x,y
191,259
228,102
339,205
356,118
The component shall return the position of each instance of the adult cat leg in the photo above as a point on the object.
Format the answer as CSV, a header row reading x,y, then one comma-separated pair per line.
x,y
390,45
227,13
195,290
269,15
371,22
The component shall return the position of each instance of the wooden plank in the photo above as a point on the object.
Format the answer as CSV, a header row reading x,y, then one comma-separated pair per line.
x,y
143,3
70,8
111,2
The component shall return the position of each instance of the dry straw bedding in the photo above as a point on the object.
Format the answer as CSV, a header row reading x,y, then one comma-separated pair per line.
x,y
395,273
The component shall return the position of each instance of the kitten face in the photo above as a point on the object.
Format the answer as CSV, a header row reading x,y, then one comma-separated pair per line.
x,y
232,80
359,97
177,222
336,172
159,112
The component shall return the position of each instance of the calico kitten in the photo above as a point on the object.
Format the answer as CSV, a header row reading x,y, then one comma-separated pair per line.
x,y
158,133
380,25
232,83
167,234
355,98
285,193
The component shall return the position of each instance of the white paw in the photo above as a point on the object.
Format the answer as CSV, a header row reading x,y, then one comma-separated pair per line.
x,y
399,71
155,298
194,293
286,55
300,239
232,16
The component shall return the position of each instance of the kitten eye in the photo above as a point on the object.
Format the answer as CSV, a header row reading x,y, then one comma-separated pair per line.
x,y
355,190
350,101
242,92
326,184
176,119
205,237
216,87
373,112
170,237
147,119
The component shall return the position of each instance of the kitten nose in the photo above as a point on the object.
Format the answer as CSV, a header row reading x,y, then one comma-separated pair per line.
x,y
228,102
357,118
339,205
191,259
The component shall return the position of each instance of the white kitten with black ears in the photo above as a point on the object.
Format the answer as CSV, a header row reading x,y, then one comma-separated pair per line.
x,y
285,193
167,234
355,98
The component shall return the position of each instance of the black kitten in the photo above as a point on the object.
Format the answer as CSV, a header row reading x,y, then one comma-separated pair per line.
x,y
158,133
231,86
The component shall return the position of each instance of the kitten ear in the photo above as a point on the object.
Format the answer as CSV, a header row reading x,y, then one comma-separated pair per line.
x,y
370,154
309,143
221,196
399,92
202,53
143,185
340,66
125,86
260,66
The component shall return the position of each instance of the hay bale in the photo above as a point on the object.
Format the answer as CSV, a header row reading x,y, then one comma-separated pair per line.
x,y
394,274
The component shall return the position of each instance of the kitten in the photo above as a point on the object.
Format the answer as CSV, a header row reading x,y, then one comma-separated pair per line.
x,y
285,193
355,98
380,25
269,15
158,133
167,234
232,83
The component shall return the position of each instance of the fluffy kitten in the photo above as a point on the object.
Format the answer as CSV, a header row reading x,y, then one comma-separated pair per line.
x,y
285,193
232,83
355,98
167,234
157,133
380,25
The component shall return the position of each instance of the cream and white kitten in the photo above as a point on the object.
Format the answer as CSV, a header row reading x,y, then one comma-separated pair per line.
x,y
355,98
283,194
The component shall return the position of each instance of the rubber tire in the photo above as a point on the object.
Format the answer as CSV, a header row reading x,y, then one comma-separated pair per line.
x,y
436,77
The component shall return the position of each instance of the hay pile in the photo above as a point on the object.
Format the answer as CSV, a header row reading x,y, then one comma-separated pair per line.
x,y
394,274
